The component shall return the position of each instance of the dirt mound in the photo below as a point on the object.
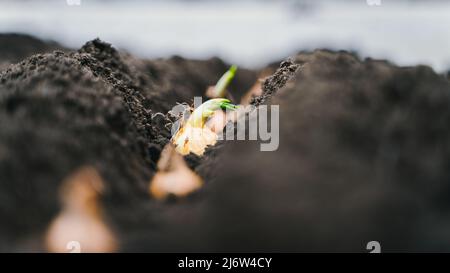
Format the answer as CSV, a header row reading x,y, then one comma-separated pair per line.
x,y
363,156
16,47
60,111
56,116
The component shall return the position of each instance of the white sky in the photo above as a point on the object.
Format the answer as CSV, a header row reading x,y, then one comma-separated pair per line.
x,y
250,33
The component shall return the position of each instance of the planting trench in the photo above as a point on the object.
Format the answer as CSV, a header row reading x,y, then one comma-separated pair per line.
x,y
363,153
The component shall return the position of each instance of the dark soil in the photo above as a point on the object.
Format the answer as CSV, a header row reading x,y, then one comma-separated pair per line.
x,y
16,47
60,111
363,153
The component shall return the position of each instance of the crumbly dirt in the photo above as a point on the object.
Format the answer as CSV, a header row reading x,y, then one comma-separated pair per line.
x,y
363,153
363,156
95,106
16,47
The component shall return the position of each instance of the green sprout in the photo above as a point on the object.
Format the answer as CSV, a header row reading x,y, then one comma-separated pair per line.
x,y
207,109
221,86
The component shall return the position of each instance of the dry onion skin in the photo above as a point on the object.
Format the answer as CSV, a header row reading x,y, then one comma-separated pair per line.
x,y
194,136
80,221
174,177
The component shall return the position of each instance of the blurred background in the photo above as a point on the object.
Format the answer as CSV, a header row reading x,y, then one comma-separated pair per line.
x,y
250,33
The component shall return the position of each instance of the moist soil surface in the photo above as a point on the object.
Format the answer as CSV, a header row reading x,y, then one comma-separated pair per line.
x,y
363,152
